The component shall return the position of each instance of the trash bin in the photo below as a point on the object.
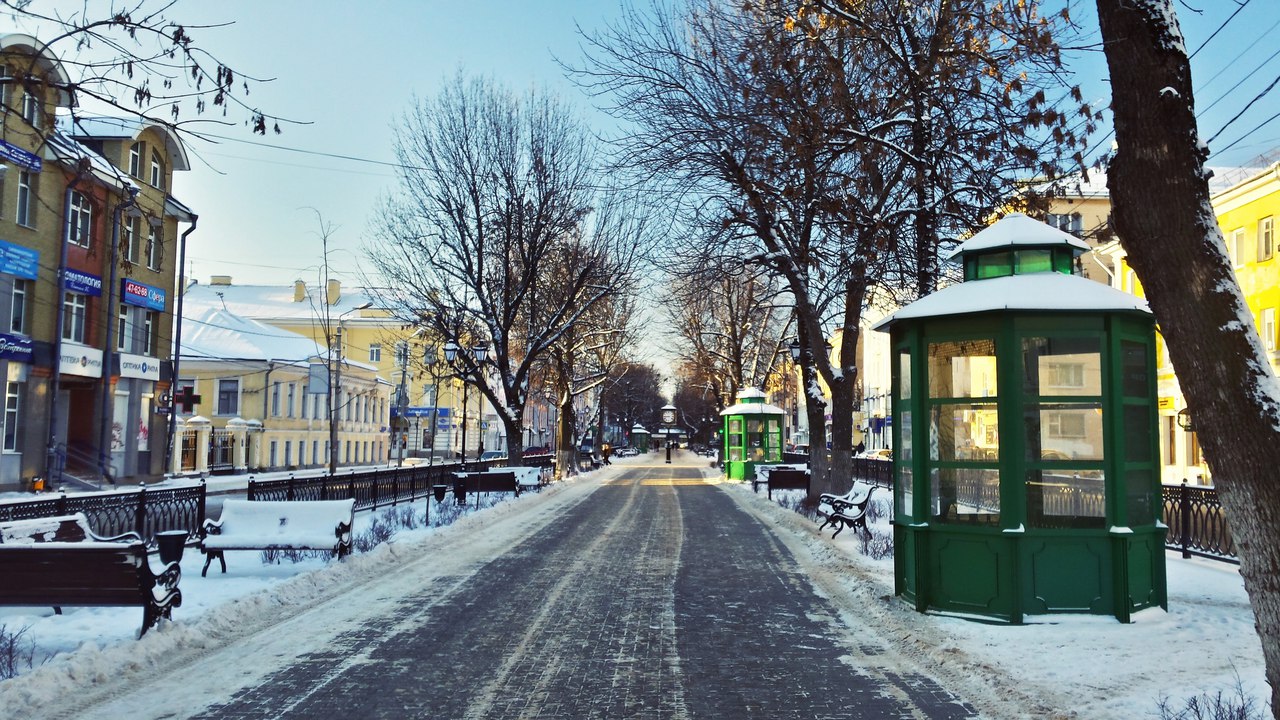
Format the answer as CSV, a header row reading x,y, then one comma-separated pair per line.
x,y
171,544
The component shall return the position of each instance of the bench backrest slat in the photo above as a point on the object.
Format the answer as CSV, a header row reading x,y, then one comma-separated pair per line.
x,y
62,528
83,573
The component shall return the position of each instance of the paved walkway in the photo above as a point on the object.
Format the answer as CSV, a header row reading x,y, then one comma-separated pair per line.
x,y
654,597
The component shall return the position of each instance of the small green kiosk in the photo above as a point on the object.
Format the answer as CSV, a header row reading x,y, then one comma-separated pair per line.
x,y
1025,444
752,434
640,438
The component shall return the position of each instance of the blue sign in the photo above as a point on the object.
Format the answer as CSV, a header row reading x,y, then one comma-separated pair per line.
x,y
136,293
18,261
20,157
15,347
420,412
81,282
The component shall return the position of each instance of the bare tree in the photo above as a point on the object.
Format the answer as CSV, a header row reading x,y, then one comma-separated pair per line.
x,y
1160,204
502,232
134,57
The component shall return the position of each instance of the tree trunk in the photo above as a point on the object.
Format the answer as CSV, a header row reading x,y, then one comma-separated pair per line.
x,y
1160,204
565,448
515,429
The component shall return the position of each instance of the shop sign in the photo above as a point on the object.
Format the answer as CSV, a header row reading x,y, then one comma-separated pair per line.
x,y
141,367
20,157
82,283
18,261
80,360
15,347
136,293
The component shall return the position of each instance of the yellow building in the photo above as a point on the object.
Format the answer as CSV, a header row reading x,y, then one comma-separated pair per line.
x,y
261,382
433,399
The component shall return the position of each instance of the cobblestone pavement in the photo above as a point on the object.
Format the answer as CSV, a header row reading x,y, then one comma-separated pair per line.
x,y
657,597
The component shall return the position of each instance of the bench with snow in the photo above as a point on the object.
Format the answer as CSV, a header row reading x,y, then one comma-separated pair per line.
x,y
499,481
527,478
278,525
780,477
59,561
848,510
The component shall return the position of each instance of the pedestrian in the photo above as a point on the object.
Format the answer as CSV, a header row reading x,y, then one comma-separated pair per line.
x,y
605,451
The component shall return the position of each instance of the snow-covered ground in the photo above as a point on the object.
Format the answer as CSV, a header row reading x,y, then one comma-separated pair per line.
x,y
1053,667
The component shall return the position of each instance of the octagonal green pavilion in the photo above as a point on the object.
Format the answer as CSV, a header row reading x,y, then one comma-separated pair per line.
x,y
1025,446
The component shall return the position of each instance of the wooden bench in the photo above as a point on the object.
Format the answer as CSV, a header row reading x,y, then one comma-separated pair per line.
x,y
278,525
848,510
58,528
88,573
782,478
501,481
527,477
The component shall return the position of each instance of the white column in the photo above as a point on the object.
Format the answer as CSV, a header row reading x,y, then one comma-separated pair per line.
x,y
239,431
204,430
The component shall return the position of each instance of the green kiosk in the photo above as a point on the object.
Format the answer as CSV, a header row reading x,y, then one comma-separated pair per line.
x,y
752,432
1025,445
640,438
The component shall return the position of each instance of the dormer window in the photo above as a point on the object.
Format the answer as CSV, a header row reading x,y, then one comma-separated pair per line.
x,y
157,171
135,159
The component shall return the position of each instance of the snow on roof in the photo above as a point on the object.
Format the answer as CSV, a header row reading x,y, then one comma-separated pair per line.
x,y
1017,230
274,302
753,409
62,148
221,334
1044,292
125,128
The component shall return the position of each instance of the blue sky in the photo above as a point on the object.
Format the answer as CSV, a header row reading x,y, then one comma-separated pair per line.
x,y
352,68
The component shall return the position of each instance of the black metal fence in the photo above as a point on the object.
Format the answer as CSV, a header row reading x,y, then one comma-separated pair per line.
x,y
145,511
1197,525
372,489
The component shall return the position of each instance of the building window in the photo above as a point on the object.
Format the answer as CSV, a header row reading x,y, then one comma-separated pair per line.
x,y
11,416
293,389
273,454
288,453
4,86
1269,328
375,352
275,399
1266,239
18,308
1069,223
154,248
157,171
151,324
79,220
130,240
135,159
122,331
74,310
402,354
26,210
1235,247
32,110
228,396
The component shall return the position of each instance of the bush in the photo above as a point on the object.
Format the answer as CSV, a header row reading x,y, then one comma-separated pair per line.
x,y
274,556
876,545
380,530
17,651
1233,705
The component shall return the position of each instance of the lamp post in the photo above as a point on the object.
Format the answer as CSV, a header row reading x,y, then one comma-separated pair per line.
x,y
668,421
479,353
430,358
402,404
335,387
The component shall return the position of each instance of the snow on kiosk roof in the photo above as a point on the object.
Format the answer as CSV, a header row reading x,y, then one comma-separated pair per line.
x,y
1020,289
752,403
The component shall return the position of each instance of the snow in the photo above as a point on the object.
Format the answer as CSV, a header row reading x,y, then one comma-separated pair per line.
x,y
1057,666
281,524
1039,292
1018,230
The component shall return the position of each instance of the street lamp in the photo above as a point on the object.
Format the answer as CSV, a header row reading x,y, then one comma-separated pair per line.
x,y
430,357
479,353
335,387
668,420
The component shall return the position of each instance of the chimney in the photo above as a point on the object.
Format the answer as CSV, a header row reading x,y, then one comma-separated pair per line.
x,y
332,292
299,291
220,280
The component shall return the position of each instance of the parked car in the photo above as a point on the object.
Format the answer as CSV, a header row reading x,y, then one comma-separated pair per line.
x,y
877,454
493,455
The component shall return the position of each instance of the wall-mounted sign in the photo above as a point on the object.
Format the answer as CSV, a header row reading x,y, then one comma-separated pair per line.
x,y
80,360
81,282
136,293
20,157
139,366
18,261
15,347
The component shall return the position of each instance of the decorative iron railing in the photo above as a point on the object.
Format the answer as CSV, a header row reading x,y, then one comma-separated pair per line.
x,y
145,511
1197,524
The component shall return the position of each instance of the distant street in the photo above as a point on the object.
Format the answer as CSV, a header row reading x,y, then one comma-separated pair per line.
x,y
655,596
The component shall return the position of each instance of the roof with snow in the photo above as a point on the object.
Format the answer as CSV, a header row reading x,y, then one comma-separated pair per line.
x,y
1018,230
221,334
126,128
274,302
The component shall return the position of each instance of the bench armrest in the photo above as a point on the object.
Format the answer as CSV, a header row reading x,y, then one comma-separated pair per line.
x,y
211,527
130,537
